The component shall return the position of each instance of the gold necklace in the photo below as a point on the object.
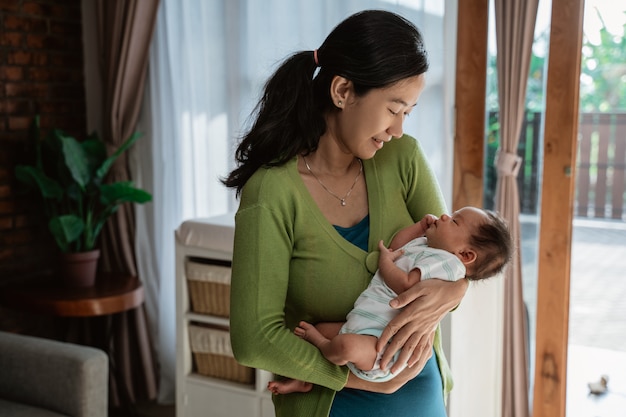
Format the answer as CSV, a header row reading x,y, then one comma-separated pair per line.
x,y
342,201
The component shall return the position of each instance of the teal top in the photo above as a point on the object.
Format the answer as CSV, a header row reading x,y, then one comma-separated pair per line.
x,y
290,264
358,234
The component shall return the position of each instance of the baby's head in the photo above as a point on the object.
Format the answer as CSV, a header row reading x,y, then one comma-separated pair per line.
x,y
479,238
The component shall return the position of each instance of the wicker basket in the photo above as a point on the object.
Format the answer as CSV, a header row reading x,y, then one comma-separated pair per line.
x,y
213,355
209,288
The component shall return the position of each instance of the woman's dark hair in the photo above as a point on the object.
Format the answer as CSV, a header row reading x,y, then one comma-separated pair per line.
x,y
494,246
372,48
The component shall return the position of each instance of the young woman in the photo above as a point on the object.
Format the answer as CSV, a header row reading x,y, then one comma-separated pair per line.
x,y
323,175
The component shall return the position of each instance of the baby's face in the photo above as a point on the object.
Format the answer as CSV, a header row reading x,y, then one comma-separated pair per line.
x,y
452,232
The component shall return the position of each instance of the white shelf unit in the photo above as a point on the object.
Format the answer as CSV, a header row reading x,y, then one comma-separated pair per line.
x,y
207,240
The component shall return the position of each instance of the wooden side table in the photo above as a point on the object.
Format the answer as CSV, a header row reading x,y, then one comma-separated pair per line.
x,y
113,293
94,307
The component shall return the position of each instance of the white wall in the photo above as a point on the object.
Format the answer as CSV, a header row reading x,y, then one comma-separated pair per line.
x,y
476,356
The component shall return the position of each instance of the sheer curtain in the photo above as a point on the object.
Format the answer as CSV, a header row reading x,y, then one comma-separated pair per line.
x,y
515,26
208,63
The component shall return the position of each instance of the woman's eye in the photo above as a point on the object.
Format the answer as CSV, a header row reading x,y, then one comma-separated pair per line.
x,y
395,113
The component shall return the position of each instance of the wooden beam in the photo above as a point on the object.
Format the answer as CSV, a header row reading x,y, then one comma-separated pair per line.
x,y
561,129
471,87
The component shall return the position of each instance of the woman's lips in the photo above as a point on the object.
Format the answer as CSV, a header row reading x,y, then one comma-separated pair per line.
x,y
379,142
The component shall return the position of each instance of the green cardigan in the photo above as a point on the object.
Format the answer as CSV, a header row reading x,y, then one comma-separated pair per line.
x,y
290,264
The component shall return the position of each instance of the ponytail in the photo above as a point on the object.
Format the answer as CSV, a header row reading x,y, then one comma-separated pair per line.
x,y
288,121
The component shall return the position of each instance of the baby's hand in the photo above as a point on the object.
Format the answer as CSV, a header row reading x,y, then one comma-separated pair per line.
x,y
427,221
388,254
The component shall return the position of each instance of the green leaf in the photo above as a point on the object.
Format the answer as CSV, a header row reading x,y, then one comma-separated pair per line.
x,y
74,192
106,165
66,229
52,161
75,159
96,152
122,192
33,176
101,219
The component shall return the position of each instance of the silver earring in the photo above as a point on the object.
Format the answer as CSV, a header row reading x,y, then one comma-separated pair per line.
x,y
339,103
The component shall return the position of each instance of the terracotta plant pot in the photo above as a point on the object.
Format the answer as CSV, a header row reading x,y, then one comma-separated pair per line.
x,y
78,270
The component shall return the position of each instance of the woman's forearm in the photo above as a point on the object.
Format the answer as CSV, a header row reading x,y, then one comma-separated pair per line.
x,y
388,387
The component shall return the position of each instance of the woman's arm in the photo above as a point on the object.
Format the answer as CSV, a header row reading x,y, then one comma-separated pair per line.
x,y
413,329
260,337
388,387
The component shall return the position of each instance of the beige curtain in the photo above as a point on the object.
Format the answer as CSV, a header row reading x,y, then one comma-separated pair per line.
x,y
515,25
125,30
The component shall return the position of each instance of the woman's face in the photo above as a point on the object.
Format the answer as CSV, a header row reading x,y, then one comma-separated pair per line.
x,y
365,123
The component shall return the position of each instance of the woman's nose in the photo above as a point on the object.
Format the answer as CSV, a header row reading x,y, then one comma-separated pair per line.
x,y
396,130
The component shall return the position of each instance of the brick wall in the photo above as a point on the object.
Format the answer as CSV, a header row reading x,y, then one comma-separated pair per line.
x,y
41,72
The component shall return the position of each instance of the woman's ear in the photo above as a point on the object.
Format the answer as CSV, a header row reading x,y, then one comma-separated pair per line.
x,y
468,256
340,90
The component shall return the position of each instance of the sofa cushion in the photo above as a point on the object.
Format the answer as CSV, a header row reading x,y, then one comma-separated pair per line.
x,y
8,408
64,378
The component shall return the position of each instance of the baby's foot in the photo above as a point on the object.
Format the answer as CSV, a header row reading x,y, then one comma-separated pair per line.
x,y
288,386
309,333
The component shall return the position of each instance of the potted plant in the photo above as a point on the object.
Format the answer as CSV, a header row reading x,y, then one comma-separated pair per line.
x,y
69,175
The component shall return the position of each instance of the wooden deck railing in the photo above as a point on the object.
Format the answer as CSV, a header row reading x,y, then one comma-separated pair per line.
x,y
600,166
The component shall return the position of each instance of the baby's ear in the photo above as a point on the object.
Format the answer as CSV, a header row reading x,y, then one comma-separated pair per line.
x,y
468,256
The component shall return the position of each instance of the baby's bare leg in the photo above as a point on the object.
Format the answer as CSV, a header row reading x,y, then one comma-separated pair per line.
x,y
287,386
329,329
310,333
343,348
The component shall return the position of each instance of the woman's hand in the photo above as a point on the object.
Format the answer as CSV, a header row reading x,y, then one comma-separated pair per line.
x,y
413,330
387,387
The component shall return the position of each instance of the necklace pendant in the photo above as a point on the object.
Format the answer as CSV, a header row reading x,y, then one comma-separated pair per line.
x,y
342,201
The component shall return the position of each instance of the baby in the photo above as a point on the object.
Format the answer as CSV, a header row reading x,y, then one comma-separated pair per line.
x,y
471,243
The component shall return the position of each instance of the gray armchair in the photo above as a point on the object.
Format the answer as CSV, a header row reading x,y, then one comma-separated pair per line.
x,y
46,378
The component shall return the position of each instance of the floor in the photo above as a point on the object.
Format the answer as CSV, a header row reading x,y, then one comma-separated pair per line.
x,y
597,328
154,410
588,364
597,336
146,409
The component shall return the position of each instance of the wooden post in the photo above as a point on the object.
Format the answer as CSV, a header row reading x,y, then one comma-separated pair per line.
x,y
561,129
471,82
